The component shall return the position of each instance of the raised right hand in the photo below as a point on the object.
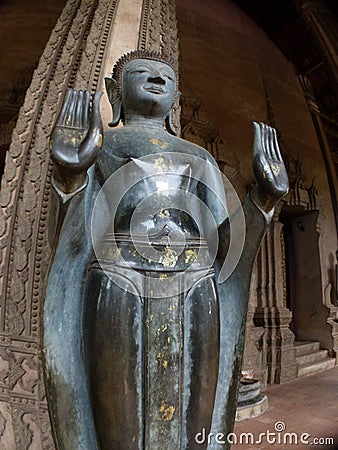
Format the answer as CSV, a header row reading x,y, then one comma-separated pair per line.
x,y
76,139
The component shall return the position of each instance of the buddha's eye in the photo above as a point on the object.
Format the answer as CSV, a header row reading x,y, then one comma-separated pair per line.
x,y
166,75
140,71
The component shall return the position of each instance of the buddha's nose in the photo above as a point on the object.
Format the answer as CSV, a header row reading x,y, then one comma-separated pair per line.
x,y
157,79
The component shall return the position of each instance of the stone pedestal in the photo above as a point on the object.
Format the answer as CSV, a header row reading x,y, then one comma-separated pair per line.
x,y
251,402
279,344
333,321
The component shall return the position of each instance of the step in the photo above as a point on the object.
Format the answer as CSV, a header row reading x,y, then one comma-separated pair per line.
x,y
306,347
315,357
312,368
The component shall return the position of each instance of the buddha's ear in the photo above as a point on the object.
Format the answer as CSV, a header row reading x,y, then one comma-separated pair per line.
x,y
115,100
169,119
169,123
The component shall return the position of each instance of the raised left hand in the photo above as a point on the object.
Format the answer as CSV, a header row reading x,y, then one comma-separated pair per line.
x,y
269,169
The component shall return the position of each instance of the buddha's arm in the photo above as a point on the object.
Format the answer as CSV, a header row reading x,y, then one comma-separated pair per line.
x,y
271,186
64,308
75,143
233,300
60,203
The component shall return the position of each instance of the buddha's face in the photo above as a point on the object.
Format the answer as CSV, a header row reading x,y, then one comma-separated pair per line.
x,y
148,88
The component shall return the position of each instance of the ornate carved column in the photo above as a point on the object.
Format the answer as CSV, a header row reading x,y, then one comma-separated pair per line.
x,y
77,55
254,358
271,312
323,26
322,140
324,29
158,31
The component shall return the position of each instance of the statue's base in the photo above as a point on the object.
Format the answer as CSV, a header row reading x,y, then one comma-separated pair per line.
x,y
251,403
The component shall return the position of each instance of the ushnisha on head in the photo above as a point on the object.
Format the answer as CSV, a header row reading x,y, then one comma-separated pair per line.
x,y
143,85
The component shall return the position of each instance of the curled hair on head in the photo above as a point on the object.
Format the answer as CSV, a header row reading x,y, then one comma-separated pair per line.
x,y
141,54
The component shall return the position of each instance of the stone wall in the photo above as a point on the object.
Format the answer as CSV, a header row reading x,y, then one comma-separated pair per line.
x,y
24,33
237,75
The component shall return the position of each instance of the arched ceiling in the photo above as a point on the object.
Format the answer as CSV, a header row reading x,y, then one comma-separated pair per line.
x,y
24,30
284,25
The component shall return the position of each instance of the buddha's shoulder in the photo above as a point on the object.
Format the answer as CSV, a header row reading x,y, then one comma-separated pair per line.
x,y
195,150
115,136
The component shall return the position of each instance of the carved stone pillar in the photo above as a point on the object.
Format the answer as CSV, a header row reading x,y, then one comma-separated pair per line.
x,y
323,27
271,312
254,357
77,55
158,31
322,140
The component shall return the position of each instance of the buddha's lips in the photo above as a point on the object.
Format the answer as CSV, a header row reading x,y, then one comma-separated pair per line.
x,y
155,90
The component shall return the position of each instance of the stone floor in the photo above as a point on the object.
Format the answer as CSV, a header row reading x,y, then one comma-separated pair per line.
x,y
306,405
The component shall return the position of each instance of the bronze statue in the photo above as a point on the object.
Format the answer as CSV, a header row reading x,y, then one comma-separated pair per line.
x,y
143,336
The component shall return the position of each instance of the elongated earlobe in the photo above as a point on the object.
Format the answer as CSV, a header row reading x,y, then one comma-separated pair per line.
x,y
115,101
117,114
169,123
169,119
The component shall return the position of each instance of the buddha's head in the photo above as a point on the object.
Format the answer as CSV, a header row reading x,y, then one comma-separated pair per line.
x,y
143,84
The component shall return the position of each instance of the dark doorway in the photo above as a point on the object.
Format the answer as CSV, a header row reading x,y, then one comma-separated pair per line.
x,y
289,273
304,294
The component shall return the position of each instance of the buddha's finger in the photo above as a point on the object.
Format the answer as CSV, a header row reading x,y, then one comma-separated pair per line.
x,y
61,119
78,110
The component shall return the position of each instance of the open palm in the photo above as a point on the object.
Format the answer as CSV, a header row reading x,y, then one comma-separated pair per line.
x,y
77,135
268,165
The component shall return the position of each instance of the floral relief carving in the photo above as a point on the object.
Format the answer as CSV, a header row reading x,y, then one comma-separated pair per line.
x,y
73,56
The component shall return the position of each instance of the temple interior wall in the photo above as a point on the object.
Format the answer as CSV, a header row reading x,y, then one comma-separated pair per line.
x,y
239,76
